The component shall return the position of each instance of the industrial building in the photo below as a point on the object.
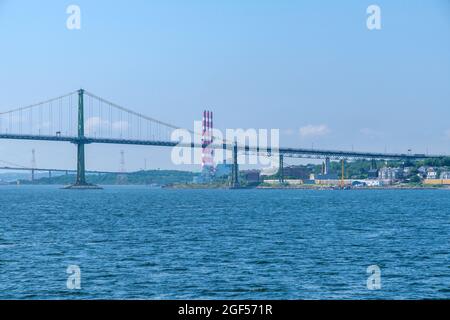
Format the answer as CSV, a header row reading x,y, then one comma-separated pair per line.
x,y
296,172
251,176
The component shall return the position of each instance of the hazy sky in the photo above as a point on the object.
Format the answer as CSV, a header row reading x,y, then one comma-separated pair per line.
x,y
309,68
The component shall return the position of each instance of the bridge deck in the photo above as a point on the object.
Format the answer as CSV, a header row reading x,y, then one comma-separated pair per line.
x,y
287,152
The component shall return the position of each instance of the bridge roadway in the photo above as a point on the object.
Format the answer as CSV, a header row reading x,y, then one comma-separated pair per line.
x,y
286,152
57,170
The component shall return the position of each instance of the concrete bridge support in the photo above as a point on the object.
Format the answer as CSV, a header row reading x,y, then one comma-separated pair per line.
x,y
327,166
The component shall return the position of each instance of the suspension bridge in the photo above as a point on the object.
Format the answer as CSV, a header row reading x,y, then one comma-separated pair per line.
x,y
81,118
9,166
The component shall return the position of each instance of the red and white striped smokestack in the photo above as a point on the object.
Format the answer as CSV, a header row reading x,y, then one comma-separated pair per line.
x,y
211,120
207,139
207,124
211,139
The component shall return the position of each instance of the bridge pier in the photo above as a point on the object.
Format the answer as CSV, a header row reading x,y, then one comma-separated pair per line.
x,y
342,173
281,169
373,164
235,172
81,169
327,166
81,183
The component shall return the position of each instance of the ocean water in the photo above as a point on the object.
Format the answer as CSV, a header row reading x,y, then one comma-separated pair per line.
x,y
141,243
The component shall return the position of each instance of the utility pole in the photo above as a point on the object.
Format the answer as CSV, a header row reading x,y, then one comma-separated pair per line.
x,y
235,171
33,163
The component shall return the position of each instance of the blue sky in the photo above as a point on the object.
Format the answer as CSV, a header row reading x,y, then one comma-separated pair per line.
x,y
309,68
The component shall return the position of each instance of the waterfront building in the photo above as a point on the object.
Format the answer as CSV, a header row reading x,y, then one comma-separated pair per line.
x,y
223,170
445,175
251,176
372,174
390,174
432,174
296,172
328,176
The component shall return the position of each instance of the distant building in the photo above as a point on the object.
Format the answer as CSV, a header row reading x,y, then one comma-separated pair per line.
x,y
422,169
334,182
437,181
251,176
359,184
328,176
206,176
390,174
432,174
372,174
445,175
223,170
367,183
296,172
374,183
407,171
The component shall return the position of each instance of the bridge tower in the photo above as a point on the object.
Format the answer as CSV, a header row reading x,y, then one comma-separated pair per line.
x,y
235,171
281,169
81,169
81,183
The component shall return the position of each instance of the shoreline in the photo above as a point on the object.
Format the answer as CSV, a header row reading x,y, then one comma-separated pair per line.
x,y
218,187
317,188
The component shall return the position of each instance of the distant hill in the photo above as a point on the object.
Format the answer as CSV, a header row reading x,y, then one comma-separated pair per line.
x,y
158,177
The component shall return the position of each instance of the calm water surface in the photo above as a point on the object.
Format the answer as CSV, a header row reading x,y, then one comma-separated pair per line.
x,y
135,242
